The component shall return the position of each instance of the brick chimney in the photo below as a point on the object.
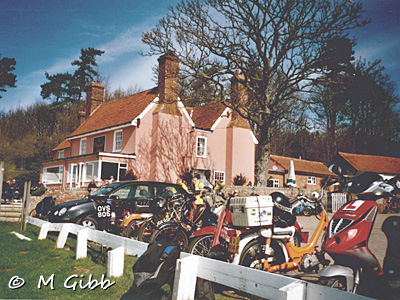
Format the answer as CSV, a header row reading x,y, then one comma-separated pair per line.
x,y
94,97
239,99
238,90
168,68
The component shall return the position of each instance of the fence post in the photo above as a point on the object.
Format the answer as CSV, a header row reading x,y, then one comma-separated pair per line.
x,y
185,278
62,237
43,231
115,266
26,199
81,243
1,180
295,290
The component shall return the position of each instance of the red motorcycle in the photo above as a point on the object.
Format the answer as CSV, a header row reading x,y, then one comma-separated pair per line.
x,y
356,268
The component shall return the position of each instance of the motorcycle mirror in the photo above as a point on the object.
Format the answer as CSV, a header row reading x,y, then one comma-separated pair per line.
x,y
334,168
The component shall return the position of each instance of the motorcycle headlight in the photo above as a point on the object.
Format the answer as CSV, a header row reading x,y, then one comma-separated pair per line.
x,y
62,211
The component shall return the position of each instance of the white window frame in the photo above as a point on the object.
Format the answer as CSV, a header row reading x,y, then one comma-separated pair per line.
x,y
203,155
117,142
275,182
219,175
59,175
83,146
61,154
311,180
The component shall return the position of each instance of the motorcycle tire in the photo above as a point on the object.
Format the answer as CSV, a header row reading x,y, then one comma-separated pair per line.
x,y
254,252
201,245
132,230
172,233
146,229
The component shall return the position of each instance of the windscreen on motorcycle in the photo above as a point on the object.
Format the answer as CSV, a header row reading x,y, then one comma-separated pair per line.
x,y
362,182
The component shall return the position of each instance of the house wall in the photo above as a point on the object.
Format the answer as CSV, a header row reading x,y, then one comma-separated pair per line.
x,y
301,180
243,152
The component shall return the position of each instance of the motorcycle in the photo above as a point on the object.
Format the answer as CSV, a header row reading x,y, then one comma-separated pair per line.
x,y
193,215
303,207
273,248
356,268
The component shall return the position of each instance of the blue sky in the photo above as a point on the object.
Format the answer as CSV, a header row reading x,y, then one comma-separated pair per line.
x,y
47,35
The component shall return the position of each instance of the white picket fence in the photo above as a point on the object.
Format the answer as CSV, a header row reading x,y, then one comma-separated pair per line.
x,y
189,267
338,200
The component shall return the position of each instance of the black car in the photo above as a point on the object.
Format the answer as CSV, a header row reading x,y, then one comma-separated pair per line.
x,y
135,195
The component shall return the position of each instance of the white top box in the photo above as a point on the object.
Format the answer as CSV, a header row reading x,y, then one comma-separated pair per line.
x,y
252,211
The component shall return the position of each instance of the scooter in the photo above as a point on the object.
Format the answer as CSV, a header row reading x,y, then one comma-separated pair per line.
x,y
356,268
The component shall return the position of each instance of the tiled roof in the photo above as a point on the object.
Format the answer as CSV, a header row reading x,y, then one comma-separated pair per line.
x,y
205,116
373,163
118,112
301,165
63,145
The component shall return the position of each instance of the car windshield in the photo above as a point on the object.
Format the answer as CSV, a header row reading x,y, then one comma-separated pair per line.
x,y
105,190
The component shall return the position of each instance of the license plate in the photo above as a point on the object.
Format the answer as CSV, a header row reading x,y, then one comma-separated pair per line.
x,y
234,244
103,211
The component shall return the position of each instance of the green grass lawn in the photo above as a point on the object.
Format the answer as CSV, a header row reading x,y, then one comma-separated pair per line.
x,y
33,260
36,262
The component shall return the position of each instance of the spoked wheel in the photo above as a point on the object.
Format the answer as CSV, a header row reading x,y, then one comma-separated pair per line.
x,y
145,231
253,255
132,230
337,282
201,245
172,233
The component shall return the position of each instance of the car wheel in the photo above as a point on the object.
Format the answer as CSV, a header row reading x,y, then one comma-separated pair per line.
x,y
89,222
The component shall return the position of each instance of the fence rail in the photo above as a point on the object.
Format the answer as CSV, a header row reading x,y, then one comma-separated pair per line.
x,y
189,267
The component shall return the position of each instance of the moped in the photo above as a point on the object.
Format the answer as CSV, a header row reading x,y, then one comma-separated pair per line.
x,y
274,248
356,269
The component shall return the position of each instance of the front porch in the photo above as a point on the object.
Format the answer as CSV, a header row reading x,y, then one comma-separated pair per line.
x,y
79,171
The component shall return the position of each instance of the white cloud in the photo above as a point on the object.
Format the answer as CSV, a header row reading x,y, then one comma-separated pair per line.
x,y
137,71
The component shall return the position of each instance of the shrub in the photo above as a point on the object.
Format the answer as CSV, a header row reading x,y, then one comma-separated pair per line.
x,y
240,179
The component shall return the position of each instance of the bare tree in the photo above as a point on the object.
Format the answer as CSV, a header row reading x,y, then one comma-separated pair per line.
x,y
275,45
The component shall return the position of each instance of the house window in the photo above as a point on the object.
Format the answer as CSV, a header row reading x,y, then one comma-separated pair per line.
x,y
272,182
92,170
61,154
98,144
117,140
218,175
53,174
82,149
312,180
201,146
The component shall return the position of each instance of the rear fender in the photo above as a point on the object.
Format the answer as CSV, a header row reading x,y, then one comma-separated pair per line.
x,y
135,216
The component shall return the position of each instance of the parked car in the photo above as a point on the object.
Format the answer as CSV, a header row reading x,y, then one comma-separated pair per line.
x,y
132,195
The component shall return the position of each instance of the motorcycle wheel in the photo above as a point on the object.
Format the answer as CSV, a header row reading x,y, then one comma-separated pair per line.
x,y
201,245
172,233
307,212
254,253
337,282
145,231
131,231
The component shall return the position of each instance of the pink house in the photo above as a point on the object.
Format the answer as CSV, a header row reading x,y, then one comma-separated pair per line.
x,y
153,135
